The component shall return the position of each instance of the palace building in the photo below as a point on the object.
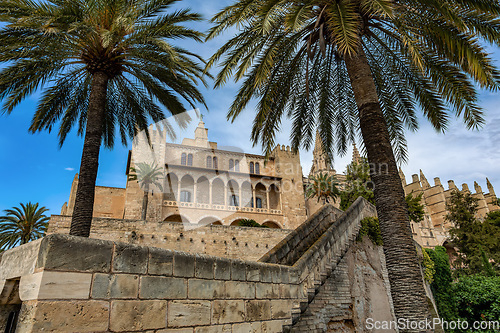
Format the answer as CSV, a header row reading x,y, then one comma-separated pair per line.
x,y
205,184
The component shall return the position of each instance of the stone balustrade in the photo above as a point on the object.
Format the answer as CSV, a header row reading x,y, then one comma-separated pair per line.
x,y
167,203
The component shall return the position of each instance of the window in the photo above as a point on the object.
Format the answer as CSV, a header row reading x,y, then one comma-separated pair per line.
x,y
216,163
258,202
234,201
190,160
231,164
209,162
252,169
257,169
185,196
183,159
237,165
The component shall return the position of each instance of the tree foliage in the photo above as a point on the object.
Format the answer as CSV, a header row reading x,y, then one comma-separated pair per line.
x,y
251,223
23,224
471,235
358,184
323,187
370,227
415,207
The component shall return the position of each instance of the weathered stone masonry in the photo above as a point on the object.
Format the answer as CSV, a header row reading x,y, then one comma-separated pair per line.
x,y
69,284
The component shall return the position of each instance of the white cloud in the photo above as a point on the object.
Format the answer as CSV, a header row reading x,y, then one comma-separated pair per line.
x,y
69,169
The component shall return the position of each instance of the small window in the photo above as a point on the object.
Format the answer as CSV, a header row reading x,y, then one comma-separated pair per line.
x,y
231,164
183,159
234,201
216,163
258,202
209,162
252,169
190,160
257,169
237,165
185,196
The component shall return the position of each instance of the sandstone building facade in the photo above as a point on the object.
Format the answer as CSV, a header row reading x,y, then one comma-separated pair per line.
x,y
205,184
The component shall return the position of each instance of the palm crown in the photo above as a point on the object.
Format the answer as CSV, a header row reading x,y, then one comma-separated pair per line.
x,y
323,186
291,55
61,44
22,224
147,175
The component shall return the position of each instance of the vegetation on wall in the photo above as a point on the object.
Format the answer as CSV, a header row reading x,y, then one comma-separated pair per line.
x,y
429,267
415,207
251,223
370,227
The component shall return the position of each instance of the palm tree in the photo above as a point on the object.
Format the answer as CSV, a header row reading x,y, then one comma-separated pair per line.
x,y
353,67
147,175
22,224
322,186
105,66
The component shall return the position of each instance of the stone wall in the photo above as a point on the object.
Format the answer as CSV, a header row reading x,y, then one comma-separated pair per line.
x,y
72,284
222,241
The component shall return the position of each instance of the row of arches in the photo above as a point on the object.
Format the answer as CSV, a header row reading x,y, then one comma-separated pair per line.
x,y
218,192
212,220
212,162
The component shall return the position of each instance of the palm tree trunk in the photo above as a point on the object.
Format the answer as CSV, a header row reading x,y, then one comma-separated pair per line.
x,y
145,202
84,200
406,282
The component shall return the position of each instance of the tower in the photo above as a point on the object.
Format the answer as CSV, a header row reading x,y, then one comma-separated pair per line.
x,y
321,162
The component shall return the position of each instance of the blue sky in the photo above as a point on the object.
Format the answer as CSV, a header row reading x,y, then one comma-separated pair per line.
x,y
33,168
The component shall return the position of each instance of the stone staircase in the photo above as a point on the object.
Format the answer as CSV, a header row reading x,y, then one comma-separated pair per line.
x,y
316,249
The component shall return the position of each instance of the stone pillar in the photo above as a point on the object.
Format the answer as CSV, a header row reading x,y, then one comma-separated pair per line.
x,y
225,195
239,196
254,199
178,199
267,199
195,199
210,193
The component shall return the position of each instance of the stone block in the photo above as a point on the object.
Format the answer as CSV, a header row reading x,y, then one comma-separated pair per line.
x,y
55,285
253,272
161,262
272,326
267,290
240,290
214,329
276,274
281,309
176,330
188,313
222,269
19,261
108,286
184,265
130,258
204,268
224,312
70,253
238,270
285,291
265,274
258,310
255,327
64,316
163,287
138,315
205,289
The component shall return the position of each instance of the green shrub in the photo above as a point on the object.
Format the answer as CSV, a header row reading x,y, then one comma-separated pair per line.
x,y
429,267
250,223
371,228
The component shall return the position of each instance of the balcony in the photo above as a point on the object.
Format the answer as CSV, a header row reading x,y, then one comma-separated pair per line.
x,y
194,205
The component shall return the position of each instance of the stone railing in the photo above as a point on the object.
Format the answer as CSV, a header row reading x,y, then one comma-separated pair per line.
x,y
168,203
72,284
317,246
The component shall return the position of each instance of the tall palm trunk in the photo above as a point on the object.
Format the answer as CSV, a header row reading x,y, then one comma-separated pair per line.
x,y
145,200
402,262
84,201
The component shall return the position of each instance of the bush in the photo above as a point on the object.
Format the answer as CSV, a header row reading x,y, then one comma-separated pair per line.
x,y
371,228
250,223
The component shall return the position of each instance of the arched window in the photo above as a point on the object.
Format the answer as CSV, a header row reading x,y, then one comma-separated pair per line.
x,y
209,162
190,160
257,169
185,196
216,163
258,202
236,165
235,201
231,164
252,170
183,159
